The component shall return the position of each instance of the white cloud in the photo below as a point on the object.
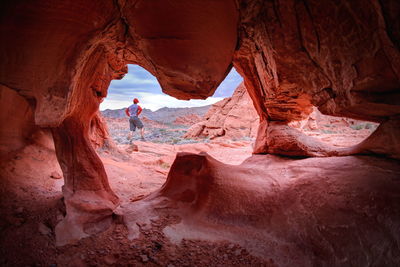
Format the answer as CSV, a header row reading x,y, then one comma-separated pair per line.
x,y
155,101
132,79
139,83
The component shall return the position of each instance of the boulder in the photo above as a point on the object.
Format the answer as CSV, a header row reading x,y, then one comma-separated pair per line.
x,y
233,118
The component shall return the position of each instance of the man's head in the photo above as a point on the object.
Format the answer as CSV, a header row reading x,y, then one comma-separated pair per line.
x,y
135,101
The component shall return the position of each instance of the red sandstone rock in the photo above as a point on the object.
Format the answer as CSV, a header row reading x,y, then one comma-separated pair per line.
x,y
150,123
295,58
16,121
282,139
131,148
232,117
383,141
187,45
188,120
341,56
314,203
99,134
55,175
336,131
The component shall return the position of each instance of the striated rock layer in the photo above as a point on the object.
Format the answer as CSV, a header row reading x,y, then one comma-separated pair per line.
x,y
339,56
233,117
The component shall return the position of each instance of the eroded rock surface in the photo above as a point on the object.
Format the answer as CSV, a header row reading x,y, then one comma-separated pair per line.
x,y
187,120
326,206
16,121
340,57
233,117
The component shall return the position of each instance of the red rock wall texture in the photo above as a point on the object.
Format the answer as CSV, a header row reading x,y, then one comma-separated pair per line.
x,y
334,55
341,56
16,121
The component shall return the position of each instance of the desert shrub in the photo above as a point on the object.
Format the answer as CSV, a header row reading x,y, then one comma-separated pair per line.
x,y
165,165
175,140
357,127
368,126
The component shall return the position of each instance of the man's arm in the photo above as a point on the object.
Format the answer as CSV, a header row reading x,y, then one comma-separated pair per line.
x,y
139,110
127,112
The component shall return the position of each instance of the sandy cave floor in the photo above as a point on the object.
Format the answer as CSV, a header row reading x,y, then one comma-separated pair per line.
x,y
135,174
31,206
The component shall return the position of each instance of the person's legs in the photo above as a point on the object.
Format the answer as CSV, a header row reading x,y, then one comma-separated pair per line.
x,y
142,132
132,128
139,125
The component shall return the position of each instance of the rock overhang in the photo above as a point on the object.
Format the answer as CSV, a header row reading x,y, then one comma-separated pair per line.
x,y
189,45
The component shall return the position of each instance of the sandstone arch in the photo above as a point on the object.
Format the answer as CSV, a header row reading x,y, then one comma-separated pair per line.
x,y
342,57
70,61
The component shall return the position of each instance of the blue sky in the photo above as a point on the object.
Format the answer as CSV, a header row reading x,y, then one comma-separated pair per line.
x,y
139,83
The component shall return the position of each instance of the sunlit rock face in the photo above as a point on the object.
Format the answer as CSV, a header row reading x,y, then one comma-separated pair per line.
x,y
231,118
340,56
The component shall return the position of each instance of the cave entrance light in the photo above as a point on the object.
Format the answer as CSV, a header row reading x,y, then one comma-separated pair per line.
x,y
142,166
338,132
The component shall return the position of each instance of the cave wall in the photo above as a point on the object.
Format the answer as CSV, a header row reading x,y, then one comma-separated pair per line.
x,y
340,56
43,48
16,121
337,56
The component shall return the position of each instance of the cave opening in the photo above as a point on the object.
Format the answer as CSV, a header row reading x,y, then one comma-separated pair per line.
x,y
339,132
223,125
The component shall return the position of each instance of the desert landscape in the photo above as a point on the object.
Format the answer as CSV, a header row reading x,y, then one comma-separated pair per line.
x,y
299,167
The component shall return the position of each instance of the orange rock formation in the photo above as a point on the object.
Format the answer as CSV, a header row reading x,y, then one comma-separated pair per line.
x,y
233,117
58,58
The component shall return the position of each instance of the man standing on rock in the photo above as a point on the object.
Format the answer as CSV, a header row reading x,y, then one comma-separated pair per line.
x,y
133,112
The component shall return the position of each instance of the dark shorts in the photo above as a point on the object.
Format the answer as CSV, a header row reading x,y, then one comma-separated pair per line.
x,y
135,122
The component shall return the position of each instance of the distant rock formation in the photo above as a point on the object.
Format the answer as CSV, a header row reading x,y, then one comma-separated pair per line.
x,y
188,120
232,117
163,115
